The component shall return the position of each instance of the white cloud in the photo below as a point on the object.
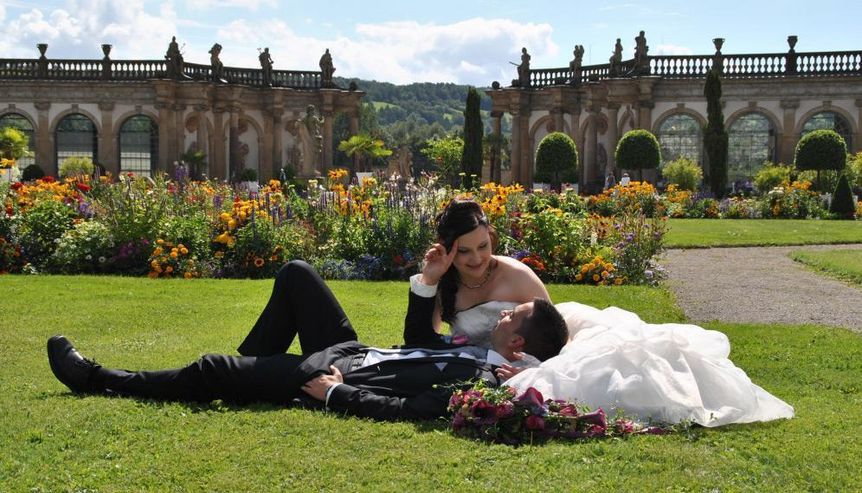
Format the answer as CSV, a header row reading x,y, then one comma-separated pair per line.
x,y
672,50
77,30
474,51
240,4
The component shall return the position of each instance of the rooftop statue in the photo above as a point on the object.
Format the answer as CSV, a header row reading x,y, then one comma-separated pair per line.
x,y
576,63
326,69
217,66
174,58
616,59
266,66
524,69
641,50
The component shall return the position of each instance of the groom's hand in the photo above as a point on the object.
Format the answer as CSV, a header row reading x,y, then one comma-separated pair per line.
x,y
317,387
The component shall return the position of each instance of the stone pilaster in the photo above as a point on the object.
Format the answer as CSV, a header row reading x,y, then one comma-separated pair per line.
x,y
277,142
109,154
44,152
515,156
202,136
787,138
326,159
233,142
179,135
164,133
645,114
857,139
613,134
218,161
496,154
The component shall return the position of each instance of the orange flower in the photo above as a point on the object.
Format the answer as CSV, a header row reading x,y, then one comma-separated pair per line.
x,y
258,262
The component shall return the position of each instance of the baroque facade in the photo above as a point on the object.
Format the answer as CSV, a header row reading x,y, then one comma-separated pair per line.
x,y
769,102
142,115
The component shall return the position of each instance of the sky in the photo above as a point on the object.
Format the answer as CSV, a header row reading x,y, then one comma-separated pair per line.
x,y
398,41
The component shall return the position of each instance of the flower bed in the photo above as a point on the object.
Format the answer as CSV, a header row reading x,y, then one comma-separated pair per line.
x,y
375,230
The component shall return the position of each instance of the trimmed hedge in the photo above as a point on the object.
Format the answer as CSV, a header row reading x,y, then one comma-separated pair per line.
x,y
638,149
557,160
842,200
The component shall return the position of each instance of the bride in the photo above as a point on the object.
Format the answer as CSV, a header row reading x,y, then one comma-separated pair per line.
x,y
614,360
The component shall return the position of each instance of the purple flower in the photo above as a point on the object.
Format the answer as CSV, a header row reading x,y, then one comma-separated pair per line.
x,y
532,398
505,410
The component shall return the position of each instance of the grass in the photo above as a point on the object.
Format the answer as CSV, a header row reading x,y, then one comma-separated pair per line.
x,y
842,264
53,440
700,233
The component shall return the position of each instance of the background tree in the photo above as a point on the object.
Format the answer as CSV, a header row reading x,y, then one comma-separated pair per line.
x,y
364,146
684,173
638,150
14,144
715,135
557,160
471,158
445,153
821,150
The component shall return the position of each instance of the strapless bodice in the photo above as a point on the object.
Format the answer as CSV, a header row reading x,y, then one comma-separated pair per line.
x,y
477,321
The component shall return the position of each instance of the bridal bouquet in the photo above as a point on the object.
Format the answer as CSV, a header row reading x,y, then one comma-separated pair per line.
x,y
498,414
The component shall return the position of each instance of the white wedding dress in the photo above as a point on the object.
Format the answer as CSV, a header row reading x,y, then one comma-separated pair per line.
x,y
615,360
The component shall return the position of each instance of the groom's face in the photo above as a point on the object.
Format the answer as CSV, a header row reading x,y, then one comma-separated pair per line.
x,y
509,324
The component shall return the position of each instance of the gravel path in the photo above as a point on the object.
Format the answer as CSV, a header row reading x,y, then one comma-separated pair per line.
x,y
760,285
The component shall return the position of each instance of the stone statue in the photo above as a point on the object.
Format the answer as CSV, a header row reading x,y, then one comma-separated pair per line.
x,y
266,66
524,69
641,50
401,163
311,140
616,59
217,66
174,58
326,69
575,64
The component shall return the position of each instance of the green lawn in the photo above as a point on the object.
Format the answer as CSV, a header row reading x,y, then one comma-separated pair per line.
x,y
843,264
53,440
698,233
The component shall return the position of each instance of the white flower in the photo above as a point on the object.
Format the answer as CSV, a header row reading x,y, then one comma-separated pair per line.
x,y
102,260
89,257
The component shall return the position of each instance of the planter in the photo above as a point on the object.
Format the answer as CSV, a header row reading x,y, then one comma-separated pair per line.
x,y
248,186
6,174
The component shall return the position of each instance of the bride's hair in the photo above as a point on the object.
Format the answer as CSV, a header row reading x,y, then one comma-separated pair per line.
x,y
458,218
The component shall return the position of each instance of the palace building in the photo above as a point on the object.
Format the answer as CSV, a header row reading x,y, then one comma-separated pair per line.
x,y
142,115
769,101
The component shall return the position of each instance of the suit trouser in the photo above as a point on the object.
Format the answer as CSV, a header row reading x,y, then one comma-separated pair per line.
x,y
300,304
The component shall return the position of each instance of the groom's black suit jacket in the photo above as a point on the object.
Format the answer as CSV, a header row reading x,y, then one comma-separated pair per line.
x,y
416,388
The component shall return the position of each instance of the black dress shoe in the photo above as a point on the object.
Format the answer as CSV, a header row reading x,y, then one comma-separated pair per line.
x,y
75,371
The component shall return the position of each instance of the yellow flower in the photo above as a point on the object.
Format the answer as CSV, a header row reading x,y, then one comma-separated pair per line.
x,y
231,224
174,254
618,281
160,241
579,277
596,278
184,251
187,275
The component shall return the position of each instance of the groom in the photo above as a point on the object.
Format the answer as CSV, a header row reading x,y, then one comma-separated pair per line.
x,y
335,370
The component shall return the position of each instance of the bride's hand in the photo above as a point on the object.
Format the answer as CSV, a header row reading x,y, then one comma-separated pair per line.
x,y
437,262
506,372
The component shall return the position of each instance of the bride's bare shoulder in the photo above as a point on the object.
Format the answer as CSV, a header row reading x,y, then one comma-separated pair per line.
x,y
519,276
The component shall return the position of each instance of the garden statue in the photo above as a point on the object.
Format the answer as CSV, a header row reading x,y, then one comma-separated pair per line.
x,y
616,59
217,66
524,69
641,50
266,66
311,140
175,59
401,163
326,69
575,64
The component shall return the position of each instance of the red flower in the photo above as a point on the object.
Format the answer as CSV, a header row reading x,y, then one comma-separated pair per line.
x,y
47,179
535,423
83,187
17,185
531,397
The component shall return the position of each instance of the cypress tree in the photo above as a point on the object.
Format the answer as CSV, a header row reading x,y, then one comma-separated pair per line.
x,y
842,200
471,158
715,135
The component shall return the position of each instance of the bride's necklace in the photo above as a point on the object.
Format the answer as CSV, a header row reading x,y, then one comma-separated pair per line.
x,y
488,272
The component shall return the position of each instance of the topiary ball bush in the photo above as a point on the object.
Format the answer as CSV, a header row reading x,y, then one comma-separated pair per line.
x,y
32,172
821,149
638,149
556,160
842,200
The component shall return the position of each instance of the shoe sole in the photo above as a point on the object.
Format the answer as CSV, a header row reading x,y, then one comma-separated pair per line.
x,y
52,356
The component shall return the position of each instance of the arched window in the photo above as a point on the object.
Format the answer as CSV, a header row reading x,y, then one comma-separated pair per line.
x,y
829,120
680,136
139,145
76,136
20,122
751,141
